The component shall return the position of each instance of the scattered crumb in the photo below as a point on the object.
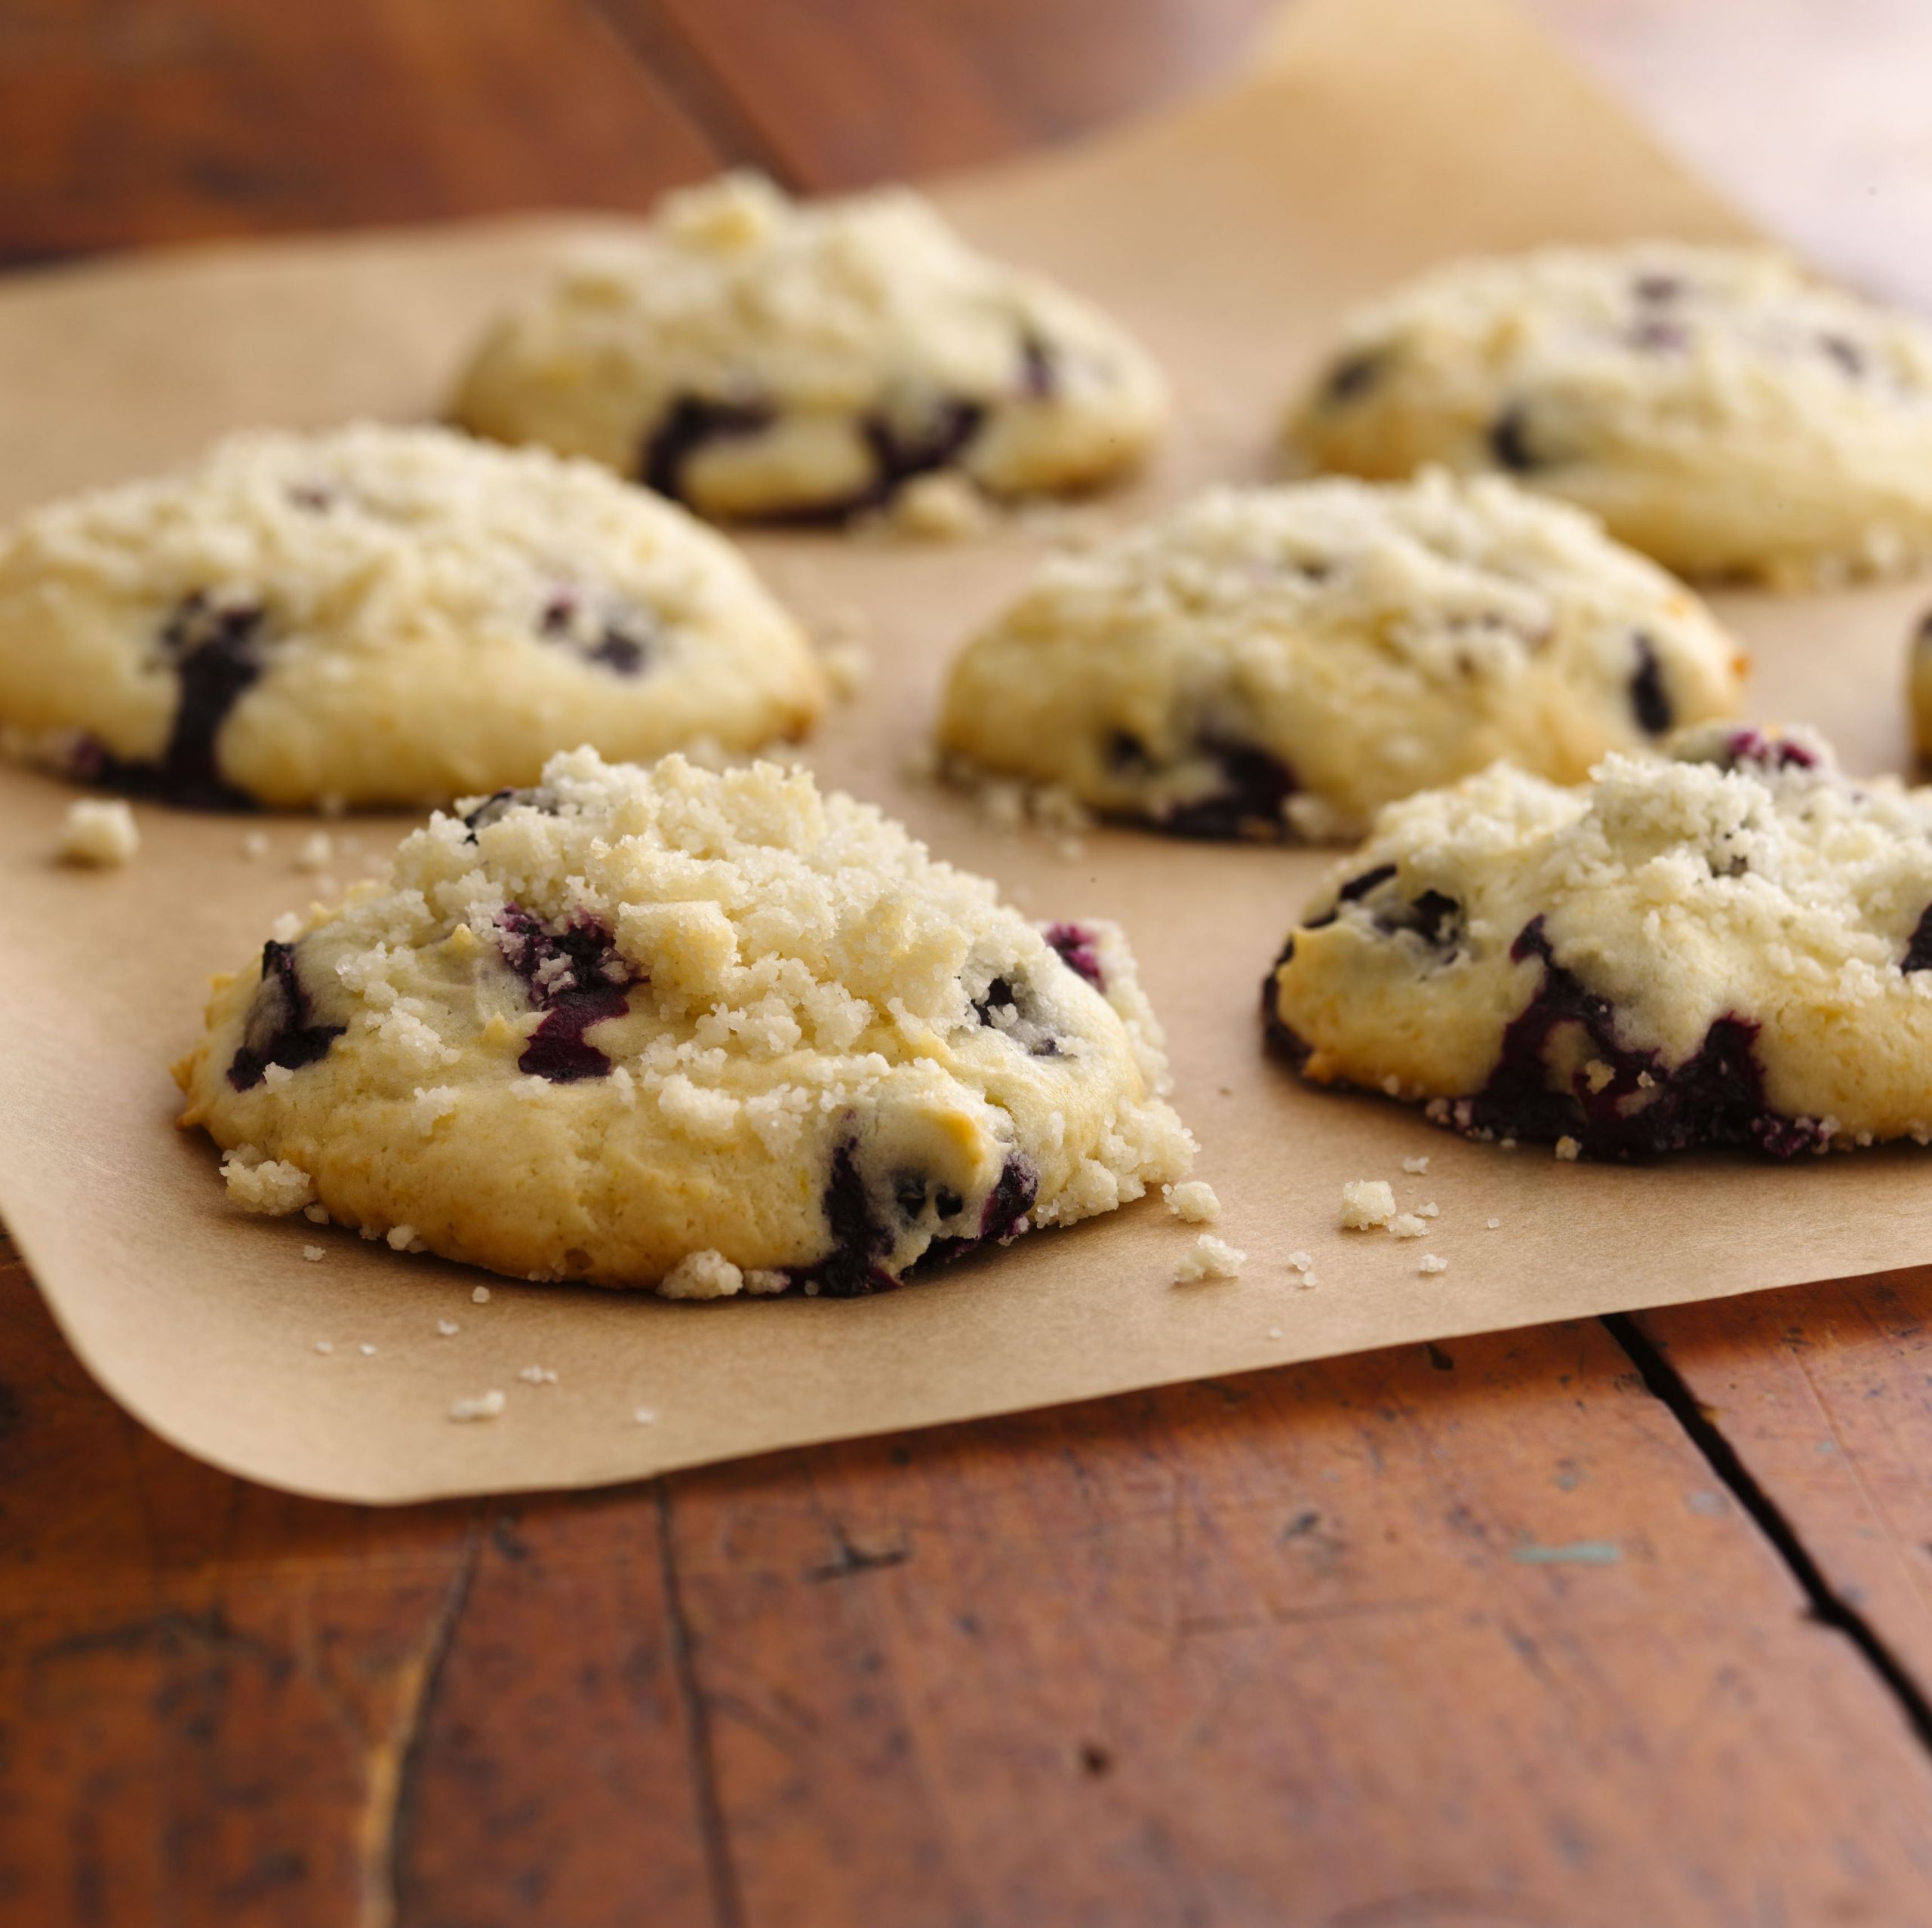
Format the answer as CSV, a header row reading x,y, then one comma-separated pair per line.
x,y
1415,1167
1430,1263
448,1328
942,504
286,928
403,1238
1408,1226
1568,1148
1299,1261
481,1296
848,669
705,1275
537,1376
313,1253
324,1345
270,1186
484,1406
1194,1203
316,851
367,1351
275,1076
255,844
645,1416
1492,1224
1210,1258
1367,1202
1506,1144
1274,1332
315,1214
1430,1210
98,834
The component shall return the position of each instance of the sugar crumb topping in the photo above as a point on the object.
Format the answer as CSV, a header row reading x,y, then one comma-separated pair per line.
x,y
1193,1202
1209,1258
1366,1203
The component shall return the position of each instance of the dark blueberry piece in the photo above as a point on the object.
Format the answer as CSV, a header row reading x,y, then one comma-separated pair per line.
x,y
1358,887
1352,376
623,641
218,651
1255,783
577,978
859,1242
1716,1098
618,648
1658,288
1845,353
281,1027
1003,992
908,1191
502,802
1918,952
1647,698
1075,942
690,423
948,1203
1280,1040
1659,337
1753,746
312,496
901,454
1434,917
1509,441
1039,367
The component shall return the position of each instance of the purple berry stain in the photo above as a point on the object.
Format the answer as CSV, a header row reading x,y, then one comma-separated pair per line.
x,y
1077,947
576,977
281,1027
692,423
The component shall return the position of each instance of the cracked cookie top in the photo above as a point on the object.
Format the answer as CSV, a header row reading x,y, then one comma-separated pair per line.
x,y
752,356
1732,945
593,1029
1720,409
379,615
1302,655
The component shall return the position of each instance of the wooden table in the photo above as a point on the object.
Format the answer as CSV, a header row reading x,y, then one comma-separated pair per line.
x,y
1623,1621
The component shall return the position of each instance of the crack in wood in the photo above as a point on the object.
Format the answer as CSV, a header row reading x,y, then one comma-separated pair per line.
x,y
392,1765
1825,1604
727,1909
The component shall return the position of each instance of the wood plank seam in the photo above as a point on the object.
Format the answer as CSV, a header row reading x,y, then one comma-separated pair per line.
x,y
386,1851
1828,1606
727,1906
660,44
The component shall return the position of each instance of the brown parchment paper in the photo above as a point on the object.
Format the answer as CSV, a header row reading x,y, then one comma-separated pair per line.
x,y
1379,136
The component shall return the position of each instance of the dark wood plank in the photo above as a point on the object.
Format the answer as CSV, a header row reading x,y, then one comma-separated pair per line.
x,y
173,120
845,93
1463,1635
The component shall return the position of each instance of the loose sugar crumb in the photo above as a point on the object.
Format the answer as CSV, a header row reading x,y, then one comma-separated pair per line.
x,y
481,1296
644,1416
1210,1258
316,851
848,667
1274,1332
1367,1202
1568,1148
1408,1226
484,1406
1415,1167
403,1238
98,834
255,844
313,1253
1492,1224
940,505
448,1328
1430,1263
270,1186
706,1274
367,1350
1299,1261
315,1214
537,1376
1194,1203
1430,1210
325,1346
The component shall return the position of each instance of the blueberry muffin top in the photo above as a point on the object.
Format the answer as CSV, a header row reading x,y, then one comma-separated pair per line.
x,y
753,356
379,616
1302,655
629,1019
1720,409
1730,945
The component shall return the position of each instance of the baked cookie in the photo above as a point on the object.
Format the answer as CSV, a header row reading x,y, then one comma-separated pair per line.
x,y
1732,946
379,616
1301,656
754,357
711,1033
1718,407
